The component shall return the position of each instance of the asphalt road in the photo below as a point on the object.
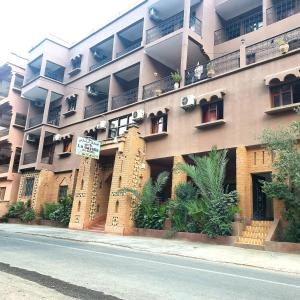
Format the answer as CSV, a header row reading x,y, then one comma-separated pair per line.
x,y
89,271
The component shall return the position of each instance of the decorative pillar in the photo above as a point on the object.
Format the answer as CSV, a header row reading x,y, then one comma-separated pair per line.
x,y
243,61
177,176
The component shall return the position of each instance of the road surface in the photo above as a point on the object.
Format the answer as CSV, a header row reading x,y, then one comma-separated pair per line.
x,y
94,271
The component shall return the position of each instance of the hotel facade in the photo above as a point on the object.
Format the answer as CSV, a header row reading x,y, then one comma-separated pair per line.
x,y
239,67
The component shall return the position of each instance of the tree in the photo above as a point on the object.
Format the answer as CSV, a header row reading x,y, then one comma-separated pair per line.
x,y
214,208
147,211
285,185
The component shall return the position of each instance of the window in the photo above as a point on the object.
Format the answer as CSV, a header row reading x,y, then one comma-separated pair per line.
x,y
159,124
92,134
17,160
28,186
212,111
119,126
285,94
76,62
54,71
67,146
2,193
18,81
71,102
62,191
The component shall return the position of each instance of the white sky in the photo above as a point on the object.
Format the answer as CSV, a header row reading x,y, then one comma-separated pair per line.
x,y
26,22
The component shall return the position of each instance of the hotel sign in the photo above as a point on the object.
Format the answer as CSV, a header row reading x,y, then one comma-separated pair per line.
x,y
88,147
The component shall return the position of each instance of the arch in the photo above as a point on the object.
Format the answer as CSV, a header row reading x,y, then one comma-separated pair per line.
x,y
117,204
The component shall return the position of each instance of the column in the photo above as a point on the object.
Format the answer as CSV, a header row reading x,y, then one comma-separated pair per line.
x,y
46,107
177,176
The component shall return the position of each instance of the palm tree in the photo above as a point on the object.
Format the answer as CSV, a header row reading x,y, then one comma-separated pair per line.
x,y
147,211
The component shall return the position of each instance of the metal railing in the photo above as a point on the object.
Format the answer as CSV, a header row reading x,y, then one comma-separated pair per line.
x,y
124,99
54,75
220,65
37,120
100,63
20,120
95,109
4,132
130,48
196,25
269,48
53,118
245,24
164,28
4,168
158,87
30,158
282,10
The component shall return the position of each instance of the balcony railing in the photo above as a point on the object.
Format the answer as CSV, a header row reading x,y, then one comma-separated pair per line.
x,y
220,65
245,24
53,118
20,120
128,49
282,10
37,120
95,109
54,75
4,168
100,63
158,87
124,99
4,132
164,28
196,25
32,77
30,158
269,48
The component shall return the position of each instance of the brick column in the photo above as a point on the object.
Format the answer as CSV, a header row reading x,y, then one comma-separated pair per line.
x,y
130,170
243,182
177,176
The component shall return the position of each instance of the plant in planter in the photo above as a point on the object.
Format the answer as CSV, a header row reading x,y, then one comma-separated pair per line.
x,y
210,70
176,77
283,45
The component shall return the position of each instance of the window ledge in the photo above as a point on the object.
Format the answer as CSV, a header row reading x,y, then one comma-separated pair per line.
x,y
280,109
210,124
155,136
64,154
69,112
74,72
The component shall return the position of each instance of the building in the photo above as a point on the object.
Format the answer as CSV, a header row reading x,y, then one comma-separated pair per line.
x,y
116,86
13,111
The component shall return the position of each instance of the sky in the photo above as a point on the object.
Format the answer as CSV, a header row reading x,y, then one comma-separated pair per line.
x,y
26,22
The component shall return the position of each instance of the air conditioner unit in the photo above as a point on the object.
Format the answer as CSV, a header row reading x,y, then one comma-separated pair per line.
x,y
188,102
92,92
138,115
101,126
153,14
30,138
56,138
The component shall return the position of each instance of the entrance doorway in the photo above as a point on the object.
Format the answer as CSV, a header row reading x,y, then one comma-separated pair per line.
x,y
262,207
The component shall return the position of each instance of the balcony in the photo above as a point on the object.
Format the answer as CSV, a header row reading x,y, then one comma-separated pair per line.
x,y
129,97
158,87
129,49
269,48
19,79
95,109
196,25
20,120
4,168
282,10
4,132
34,121
32,77
53,118
30,158
100,63
239,26
218,66
4,88
166,27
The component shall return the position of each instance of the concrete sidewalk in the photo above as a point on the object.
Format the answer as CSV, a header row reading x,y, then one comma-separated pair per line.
x,y
226,254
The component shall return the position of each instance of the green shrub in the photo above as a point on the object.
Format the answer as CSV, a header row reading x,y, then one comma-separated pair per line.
x,y
63,212
48,209
16,210
28,216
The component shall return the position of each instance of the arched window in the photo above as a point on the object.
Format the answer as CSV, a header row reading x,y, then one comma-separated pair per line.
x,y
117,206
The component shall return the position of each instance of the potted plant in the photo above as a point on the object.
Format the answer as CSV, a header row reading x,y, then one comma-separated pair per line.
x,y
176,77
283,45
210,70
